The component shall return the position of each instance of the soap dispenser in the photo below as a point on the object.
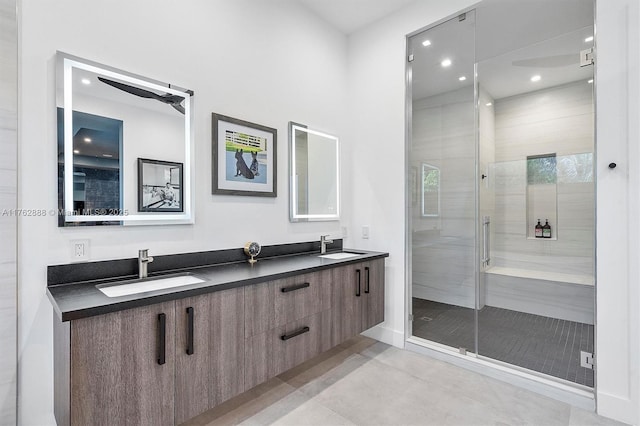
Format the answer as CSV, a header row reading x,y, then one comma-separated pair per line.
x,y
546,230
538,232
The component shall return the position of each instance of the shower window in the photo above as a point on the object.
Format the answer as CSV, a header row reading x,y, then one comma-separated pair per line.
x,y
541,169
542,193
430,191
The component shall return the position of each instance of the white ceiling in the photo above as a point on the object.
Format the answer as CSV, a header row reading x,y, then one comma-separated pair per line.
x,y
350,15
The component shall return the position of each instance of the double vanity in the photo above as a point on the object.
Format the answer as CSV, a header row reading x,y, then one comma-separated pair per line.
x,y
159,340
201,328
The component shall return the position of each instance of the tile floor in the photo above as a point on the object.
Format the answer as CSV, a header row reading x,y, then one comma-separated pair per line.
x,y
364,382
548,345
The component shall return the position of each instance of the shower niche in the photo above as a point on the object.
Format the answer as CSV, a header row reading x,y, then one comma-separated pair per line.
x,y
507,120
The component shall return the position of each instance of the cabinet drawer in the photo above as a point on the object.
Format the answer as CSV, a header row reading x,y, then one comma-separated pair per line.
x,y
301,340
301,296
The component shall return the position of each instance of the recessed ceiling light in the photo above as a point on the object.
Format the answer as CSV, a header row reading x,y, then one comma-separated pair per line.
x,y
426,43
590,81
488,104
445,63
462,78
107,155
75,151
88,140
535,78
588,39
86,81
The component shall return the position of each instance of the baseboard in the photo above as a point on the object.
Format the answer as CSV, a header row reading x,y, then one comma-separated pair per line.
x,y
617,408
386,335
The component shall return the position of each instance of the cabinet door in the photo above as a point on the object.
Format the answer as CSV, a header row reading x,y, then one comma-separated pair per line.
x,y
259,320
192,357
346,302
122,367
373,292
210,351
226,337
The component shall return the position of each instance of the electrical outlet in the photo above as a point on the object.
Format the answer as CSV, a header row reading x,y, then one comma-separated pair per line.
x,y
365,232
79,250
344,232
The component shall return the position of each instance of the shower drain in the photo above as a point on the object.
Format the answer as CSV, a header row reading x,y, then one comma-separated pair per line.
x,y
426,318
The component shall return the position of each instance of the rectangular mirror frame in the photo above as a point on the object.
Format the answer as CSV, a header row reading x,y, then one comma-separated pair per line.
x,y
294,216
66,63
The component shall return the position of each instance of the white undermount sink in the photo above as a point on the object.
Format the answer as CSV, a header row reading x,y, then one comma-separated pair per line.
x,y
148,284
340,255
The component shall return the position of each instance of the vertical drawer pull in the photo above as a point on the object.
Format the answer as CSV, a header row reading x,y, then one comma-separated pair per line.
x,y
295,333
357,282
162,331
366,279
294,287
190,330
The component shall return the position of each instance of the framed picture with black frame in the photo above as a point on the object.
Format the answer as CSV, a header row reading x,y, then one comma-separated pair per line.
x,y
160,187
244,158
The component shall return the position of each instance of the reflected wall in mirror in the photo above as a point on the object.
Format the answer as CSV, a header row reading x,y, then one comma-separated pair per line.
x,y
315,175
107,120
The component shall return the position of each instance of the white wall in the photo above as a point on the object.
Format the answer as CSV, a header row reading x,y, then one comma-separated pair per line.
x,y
264,62
8,198
618,211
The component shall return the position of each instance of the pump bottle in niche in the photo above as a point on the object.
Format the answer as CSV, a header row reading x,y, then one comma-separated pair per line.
x,y
538,232
546,230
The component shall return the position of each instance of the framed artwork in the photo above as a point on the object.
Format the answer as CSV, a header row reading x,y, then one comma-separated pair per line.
x,y
244,158
159,186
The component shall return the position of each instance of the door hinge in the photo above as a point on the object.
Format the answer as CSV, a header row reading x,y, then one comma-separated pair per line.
x,y
586,57
586,360
410,317
410,58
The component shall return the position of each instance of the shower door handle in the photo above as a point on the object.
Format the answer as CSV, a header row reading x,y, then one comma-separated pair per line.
x,y
486,233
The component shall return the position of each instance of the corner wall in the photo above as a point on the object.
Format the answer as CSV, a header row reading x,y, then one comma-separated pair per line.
x,y
8,204
264,62
618,210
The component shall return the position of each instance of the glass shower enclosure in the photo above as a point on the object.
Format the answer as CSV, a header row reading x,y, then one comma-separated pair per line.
x,y
502,194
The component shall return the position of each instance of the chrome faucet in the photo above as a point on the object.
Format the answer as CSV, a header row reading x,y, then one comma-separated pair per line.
x,y
143,260
323,243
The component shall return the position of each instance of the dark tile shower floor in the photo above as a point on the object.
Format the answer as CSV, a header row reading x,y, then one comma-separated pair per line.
x,y
547,345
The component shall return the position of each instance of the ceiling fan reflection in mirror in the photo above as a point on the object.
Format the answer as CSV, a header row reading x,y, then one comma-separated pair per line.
x,y
175,101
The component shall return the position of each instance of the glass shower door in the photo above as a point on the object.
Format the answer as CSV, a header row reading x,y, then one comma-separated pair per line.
x,y
536,141
442,166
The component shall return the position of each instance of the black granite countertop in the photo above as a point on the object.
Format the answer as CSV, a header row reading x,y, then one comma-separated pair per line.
x,y
75,300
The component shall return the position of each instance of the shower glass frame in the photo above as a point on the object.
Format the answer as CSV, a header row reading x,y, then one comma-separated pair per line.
x,y
410,181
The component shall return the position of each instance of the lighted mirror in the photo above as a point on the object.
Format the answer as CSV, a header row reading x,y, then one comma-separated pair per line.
x,y
314,175
112,124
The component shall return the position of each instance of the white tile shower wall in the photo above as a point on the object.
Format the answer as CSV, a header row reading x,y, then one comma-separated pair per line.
x,y
443,247
8,196
556,120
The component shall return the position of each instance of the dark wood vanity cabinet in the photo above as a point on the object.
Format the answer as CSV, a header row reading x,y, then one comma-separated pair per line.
x,y
156,365
165,363
357,299
108,370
